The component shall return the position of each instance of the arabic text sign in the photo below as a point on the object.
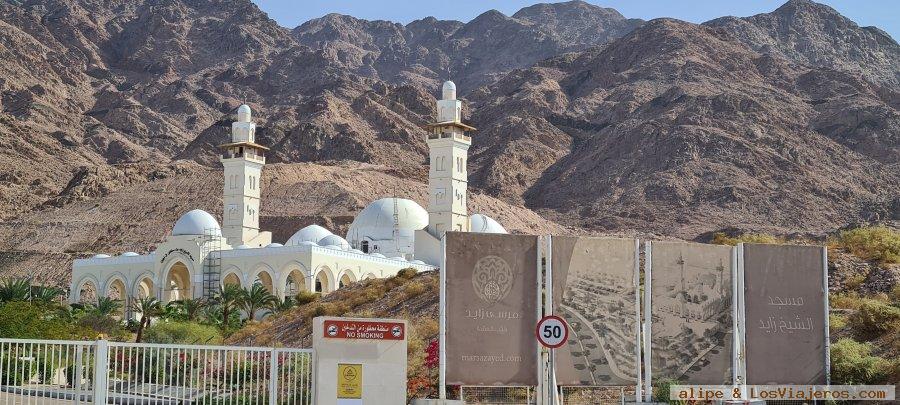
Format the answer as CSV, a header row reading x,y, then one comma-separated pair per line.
x,y
491,296
364,330
785,314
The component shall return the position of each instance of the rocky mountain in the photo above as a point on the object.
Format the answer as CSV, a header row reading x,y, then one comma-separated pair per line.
x,y
588,121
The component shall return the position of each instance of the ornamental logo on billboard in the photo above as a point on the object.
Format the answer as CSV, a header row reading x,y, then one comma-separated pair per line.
x,y
492,279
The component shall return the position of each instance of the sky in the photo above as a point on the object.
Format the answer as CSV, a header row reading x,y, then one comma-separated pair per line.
x,y
884,14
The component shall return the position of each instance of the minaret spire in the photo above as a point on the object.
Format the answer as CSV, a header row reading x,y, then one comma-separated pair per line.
x,y
448,148
243,160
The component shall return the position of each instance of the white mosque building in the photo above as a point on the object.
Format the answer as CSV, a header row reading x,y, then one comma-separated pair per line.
x,y
387,236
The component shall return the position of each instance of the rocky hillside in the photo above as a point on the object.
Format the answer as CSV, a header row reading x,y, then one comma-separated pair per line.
x,y
589,121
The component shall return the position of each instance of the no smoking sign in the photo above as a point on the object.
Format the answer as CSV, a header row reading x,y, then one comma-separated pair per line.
x,y
552,331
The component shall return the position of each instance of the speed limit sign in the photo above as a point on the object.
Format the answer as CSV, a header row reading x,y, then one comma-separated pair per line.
x,y
552,331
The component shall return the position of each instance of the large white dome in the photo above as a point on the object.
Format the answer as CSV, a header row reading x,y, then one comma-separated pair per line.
x,y
196,222
310,233
485,224
376,221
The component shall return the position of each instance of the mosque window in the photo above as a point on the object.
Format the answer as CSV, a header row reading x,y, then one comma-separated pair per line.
x,y
364,245
318,285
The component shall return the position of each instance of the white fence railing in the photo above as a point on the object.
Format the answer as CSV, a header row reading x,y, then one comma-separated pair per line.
x,y
101,372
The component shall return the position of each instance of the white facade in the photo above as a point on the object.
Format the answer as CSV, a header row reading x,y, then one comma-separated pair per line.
x,y
388,235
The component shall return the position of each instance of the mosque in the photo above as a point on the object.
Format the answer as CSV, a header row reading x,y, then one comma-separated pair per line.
x,y
388,235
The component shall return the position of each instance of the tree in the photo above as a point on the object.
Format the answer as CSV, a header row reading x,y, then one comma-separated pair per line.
x,y
255,298
282,306
106,306
148,307
46,295
228,301
188,309
14,290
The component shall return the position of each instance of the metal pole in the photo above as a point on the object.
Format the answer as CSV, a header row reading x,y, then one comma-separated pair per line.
x,y
637,309
442,344
742,351
548,308
735,328
76,379
827,316
648,266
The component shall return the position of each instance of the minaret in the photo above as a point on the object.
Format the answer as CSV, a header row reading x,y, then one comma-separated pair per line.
x,y
243,160
448,148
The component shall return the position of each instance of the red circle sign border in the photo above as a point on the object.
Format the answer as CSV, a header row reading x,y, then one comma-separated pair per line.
x,y
537,331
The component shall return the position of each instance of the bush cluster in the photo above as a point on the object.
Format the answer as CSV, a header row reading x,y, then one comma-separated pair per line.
x,y
876,243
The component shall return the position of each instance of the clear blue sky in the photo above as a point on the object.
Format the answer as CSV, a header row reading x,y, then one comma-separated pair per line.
x,y
884,14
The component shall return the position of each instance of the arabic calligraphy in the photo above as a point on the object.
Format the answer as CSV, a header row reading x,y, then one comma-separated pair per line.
x,y
364,330
786,301
770,325
176,250
482,313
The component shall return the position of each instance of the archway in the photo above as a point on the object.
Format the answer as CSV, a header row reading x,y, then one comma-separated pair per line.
x,y
323,282
265,279
346,279
178,283
295,283
145,288
231,279
87,292
116,290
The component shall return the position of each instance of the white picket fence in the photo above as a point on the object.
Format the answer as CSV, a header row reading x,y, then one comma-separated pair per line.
x,y
101,372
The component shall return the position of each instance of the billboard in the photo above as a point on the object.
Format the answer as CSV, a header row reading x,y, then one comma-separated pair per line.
x,y
491,308
594,290
691,324
784,306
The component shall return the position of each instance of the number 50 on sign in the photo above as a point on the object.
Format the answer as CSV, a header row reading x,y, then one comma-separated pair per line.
x,y
552,331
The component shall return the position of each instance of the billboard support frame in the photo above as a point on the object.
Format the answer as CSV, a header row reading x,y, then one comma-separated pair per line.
x,y
637,325
648,262
827,316
442,343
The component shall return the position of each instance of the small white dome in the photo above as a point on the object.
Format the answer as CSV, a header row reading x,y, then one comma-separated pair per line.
x,y
484,224
357,251
242,247
378,255
336,241
130,254
101,256
274,245
416,262
310,233
398,258
243,113
376,221
308,243
448,91
196,222
333,247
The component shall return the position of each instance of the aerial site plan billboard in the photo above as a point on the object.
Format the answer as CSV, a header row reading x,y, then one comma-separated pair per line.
x,y
594,290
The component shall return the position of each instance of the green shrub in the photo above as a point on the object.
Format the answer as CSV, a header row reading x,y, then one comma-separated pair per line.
x,y
836,322
182,333
873,319
105,325
852,363
407,273
305,297
720,238
876,243
661,391
849,300
413,289
23,320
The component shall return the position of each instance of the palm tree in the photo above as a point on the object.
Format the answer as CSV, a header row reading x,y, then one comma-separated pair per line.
x,y
14,290
148,307
46,295
228,300
282,306
106,306
256,298
188,308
